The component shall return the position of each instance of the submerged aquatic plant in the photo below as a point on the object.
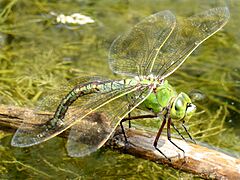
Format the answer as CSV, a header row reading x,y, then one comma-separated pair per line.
x,y
36,57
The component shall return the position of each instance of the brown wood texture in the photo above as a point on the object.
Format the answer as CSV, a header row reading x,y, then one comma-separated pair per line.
x,y
205,162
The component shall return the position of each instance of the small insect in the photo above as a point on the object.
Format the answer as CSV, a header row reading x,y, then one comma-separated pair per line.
x,y
148,53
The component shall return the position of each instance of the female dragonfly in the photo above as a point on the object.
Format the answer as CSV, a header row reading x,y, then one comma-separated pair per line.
x,y
148,53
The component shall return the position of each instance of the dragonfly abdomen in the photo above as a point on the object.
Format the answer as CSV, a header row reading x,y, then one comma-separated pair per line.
x,y
85,89
71,97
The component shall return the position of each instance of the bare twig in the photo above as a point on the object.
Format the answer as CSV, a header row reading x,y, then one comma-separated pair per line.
x,y
205,162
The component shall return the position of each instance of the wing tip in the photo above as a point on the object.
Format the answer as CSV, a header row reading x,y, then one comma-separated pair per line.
x,y
19,142
223,11
23,139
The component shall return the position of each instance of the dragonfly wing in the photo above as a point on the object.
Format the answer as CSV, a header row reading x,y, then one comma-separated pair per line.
x,y
29,132
42,129
89,134
134,52
52,98
188,34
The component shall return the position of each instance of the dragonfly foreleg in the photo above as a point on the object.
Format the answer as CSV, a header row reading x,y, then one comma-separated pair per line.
x,y
169,135
175,128
188,133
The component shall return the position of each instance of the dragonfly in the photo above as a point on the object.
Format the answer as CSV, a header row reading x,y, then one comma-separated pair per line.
x,y
147,54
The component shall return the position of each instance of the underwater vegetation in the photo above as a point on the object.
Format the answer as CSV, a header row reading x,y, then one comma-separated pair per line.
x,y
39,54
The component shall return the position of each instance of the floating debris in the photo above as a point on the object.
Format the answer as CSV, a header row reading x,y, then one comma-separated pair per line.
x,y
73,19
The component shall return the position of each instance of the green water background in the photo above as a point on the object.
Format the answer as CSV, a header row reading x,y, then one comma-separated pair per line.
x,y
37,55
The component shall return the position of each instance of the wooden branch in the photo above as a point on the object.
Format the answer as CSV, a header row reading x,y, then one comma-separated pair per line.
x,y
206,163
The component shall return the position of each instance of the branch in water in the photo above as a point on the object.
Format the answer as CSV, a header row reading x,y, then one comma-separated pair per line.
x,y
205,162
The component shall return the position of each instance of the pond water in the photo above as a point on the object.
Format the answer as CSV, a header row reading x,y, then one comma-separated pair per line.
x,y
39,51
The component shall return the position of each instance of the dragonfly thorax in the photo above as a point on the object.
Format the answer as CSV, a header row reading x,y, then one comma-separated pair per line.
x,y
163,97
150,80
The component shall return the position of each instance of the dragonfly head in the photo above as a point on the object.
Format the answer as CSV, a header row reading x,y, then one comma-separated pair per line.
x,y
182,107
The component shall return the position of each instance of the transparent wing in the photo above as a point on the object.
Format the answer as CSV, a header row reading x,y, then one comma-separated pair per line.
x,y
134,53
24,136
52,98
89,134
35,133
187,36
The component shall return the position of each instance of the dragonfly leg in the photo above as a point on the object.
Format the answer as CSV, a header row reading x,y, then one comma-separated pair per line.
x,y
129,108
188,134
124,134
129,116
158,136
159,131
169,135
175,128
139,117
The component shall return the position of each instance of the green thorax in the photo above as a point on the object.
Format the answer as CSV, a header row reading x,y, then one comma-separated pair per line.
x,y
161,97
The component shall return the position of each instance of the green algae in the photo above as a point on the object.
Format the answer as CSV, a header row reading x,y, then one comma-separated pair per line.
x,y
37,55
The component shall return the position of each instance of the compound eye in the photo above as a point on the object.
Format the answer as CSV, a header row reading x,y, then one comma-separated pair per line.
x,y
178,105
